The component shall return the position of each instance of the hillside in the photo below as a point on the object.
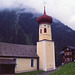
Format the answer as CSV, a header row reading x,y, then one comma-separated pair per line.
x,y
22,28
67,69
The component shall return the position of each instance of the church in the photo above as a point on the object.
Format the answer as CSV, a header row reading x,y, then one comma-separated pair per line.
x,y
15,58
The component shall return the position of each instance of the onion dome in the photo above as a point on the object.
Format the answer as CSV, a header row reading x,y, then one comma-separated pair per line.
x,y
44,18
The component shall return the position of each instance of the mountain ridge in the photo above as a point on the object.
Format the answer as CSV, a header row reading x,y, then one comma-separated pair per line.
x,y
24,29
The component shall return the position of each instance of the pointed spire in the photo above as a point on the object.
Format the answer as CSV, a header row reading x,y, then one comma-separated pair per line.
x,y
44,11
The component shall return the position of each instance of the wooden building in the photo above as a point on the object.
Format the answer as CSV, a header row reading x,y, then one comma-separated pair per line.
x,y
68,54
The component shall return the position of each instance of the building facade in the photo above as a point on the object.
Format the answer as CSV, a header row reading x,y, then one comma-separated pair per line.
x,y
68,54
21,58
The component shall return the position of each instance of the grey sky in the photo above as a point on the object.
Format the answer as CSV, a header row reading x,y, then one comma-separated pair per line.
x,y
63,10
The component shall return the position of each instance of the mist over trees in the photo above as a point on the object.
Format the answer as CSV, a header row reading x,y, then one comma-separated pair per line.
x,y
26,31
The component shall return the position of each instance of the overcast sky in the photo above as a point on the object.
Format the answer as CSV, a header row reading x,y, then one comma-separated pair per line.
x,y
63,10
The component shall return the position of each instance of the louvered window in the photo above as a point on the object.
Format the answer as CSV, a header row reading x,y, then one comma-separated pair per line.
x,y
40,30
45,30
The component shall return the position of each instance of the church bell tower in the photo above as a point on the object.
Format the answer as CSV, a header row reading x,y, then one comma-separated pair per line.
x,y
45,45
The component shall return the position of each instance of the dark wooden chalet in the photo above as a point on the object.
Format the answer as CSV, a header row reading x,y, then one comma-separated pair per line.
x,y
68,54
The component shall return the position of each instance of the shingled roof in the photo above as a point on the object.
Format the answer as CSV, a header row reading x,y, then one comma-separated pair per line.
x,y
71,47
16,50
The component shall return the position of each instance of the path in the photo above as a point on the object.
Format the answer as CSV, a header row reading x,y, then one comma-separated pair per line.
x,y
49,72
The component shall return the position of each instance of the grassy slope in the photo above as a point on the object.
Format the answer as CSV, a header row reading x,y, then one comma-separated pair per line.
x,y
31,73
67,69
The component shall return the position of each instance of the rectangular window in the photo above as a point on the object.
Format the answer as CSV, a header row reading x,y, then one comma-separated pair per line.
x,y
67,53
67,48
32,62
71,59
67,59
70,53
40,30
45,30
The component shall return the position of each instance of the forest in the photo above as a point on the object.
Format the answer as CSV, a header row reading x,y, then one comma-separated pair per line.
x,y
22,28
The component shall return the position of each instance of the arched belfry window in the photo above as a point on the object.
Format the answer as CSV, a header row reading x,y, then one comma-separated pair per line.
x,y
45,30
40,30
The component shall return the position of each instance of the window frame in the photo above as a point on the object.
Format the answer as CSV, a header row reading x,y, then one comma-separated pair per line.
x,y
67,53
40,31
32,62
67,49
65,60
70,53
45,30
71,59
68,59
16,62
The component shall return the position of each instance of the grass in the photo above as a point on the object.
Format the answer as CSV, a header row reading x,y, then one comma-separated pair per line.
x,y
31,73
67,69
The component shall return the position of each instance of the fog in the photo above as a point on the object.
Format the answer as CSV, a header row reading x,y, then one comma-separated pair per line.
x,y
63,10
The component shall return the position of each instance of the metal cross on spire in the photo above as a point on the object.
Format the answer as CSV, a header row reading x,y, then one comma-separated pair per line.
x,y
44,7
44,11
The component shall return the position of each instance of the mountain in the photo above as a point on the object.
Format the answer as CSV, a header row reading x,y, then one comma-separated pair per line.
x,y
62,36
20,27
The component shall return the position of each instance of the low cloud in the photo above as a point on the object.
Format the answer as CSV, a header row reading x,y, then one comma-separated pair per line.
x,y
62,10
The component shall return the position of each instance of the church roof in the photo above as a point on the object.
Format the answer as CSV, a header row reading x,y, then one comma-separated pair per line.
x,y
16,50
44,18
